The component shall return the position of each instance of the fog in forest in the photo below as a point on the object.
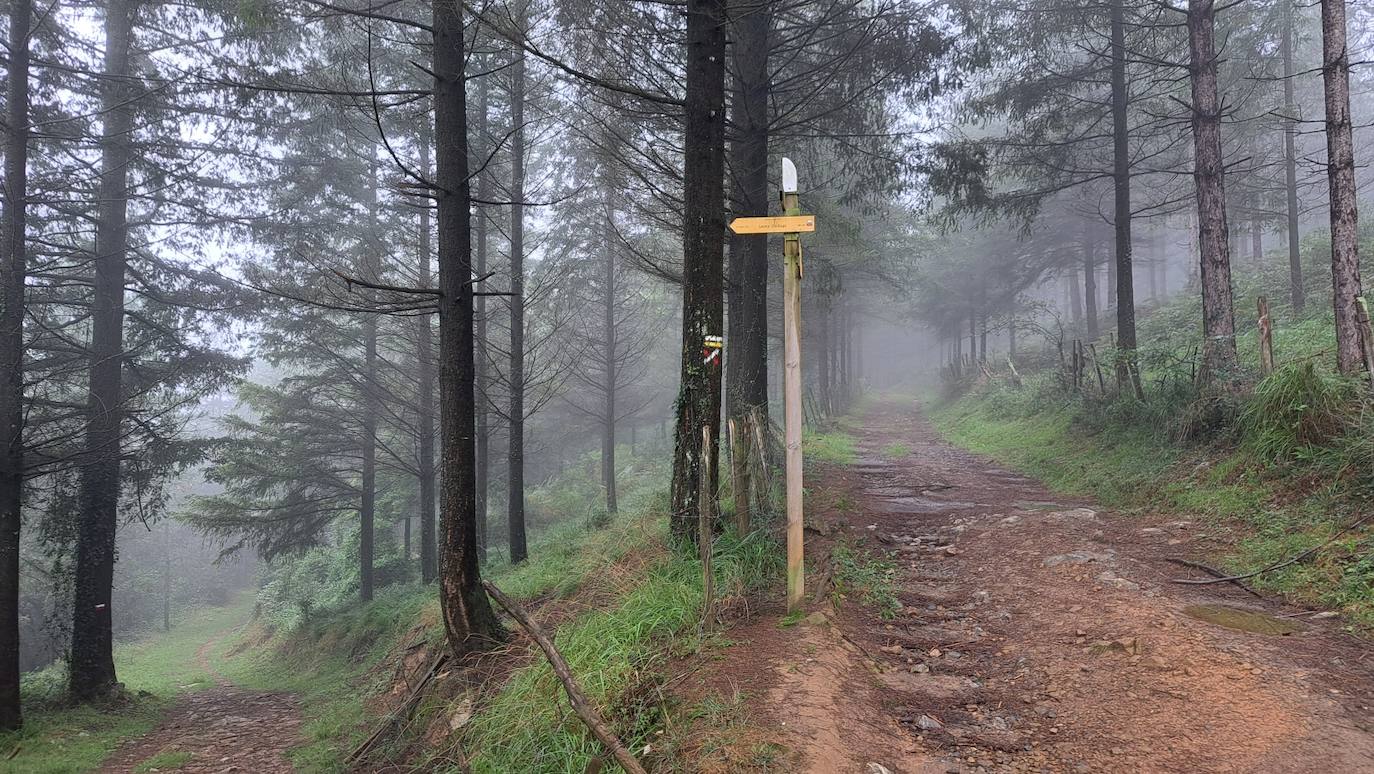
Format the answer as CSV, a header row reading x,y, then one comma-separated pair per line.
x,y
323,324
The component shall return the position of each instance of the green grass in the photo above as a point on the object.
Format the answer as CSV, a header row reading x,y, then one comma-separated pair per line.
x,y
896,450
833,446
57,738
869,575
167,760
618,654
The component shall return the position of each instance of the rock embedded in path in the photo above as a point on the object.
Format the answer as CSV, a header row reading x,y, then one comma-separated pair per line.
x,y
1080,557
1073,514
1115,581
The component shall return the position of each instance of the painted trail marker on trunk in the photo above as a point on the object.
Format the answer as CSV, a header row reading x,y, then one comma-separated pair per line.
x,y
791,225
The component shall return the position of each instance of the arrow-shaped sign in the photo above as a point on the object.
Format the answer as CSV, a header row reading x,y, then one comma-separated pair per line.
x,y
790,224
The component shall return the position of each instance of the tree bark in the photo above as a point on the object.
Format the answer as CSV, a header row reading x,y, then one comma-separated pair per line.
x,y
746,361
469,621
1075,301
1090,282
1126,368
1340,175
703,232
973,335
367,507
13,268
482,405
1290,165
424,348
92,671
1218,316
609,349
515,447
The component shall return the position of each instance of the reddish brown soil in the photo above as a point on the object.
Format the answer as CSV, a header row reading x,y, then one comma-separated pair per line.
x,y
224,728
1039,634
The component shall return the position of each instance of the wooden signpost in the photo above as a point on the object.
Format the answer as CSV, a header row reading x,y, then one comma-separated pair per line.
x,y
791,226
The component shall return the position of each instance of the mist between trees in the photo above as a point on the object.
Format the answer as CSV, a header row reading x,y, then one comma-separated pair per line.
x,y
320,297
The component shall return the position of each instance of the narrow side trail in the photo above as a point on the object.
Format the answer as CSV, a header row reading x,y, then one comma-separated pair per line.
x,y
1038,634
220,729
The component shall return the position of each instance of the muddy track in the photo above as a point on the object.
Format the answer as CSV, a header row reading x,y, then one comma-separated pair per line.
x,y
222,729
1038,633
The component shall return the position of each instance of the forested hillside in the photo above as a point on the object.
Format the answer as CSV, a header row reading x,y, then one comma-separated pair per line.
x,y
581,386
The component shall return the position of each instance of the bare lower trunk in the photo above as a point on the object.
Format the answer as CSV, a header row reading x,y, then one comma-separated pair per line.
x,y
609,350
1340,173
13,267
515,447
698,403
1218,318
367,509
469,621
746,359
1290,165
424,346
1127,371
92,671
482,408
1090,283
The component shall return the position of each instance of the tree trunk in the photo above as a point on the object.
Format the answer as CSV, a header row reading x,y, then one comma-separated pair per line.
x,y
983,339
703,232
13,267
1090,282
1126,369
1075,301
1290,165
515,447
746,361
973,336
424,347
469,621
92,671
609,344
823,351
367,508
1218,317
482,405
1340,174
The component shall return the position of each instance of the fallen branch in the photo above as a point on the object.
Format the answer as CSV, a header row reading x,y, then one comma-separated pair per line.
x,y
1298,557
1214,572
579,702
404,709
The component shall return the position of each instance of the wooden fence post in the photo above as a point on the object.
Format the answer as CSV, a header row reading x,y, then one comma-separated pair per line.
x,y
1266,337
1366,338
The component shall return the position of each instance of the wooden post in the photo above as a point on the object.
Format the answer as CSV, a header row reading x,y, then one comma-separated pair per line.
x,y
1097,364
705,534
1266,337
792,397
739,468
761,478
1366,337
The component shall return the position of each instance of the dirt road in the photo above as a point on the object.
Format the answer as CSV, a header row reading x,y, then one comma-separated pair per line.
x,y
1038,633
219,729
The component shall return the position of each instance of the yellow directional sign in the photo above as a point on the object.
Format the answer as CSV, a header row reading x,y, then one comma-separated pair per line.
x,y
789,224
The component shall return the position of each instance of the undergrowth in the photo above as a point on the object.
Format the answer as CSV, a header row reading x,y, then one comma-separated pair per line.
x,y
869,575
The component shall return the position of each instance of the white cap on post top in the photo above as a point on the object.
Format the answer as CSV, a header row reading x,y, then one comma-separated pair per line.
x,y
789,176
